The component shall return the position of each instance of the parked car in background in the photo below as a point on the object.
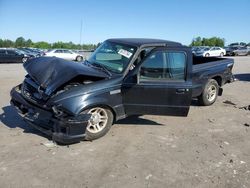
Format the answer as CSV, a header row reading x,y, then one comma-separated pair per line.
x,y
211,52
64,54
196,49
248,49
230,50
241,51
31,54
12,56
234,51
237,44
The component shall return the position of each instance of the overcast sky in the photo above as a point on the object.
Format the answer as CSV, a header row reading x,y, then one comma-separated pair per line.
x,y
177,20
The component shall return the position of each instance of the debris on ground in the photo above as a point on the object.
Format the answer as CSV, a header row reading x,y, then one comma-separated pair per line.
x,y
235,172
49,144
211,120
246,124
229,102
245,107
148,176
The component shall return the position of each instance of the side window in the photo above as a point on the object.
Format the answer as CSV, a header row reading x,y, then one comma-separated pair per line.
x,y
67,51
163,65
58,51
2,52
10,52
153,67
176,65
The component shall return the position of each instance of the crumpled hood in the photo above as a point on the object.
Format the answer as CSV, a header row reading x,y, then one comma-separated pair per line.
x,y
51,72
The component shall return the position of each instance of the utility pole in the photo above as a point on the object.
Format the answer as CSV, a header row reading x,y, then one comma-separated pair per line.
x,y
81,34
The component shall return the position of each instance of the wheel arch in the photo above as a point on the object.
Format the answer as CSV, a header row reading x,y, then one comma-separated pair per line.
x,y
218,80
103,105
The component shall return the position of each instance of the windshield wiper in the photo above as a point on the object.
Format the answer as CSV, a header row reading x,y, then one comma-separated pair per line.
x,y
99,66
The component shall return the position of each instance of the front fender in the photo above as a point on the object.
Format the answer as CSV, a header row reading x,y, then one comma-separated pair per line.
x,y
75,105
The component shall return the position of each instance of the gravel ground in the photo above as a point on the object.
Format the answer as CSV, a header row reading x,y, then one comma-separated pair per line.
x,y
209,148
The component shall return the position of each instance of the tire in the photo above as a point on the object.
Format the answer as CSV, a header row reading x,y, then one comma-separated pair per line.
x,y
79,58
210,93
24,59
104,124
221,54
207,55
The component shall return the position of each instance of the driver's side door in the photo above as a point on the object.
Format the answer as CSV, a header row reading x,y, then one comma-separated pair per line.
x,y
163,85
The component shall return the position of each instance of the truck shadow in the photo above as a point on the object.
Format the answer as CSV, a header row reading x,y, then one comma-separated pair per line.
x,y
137,120
243,77
11,119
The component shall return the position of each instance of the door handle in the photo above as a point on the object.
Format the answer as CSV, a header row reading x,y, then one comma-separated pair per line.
x,y
181,91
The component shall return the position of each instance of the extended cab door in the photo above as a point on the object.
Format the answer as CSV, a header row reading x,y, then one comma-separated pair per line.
x,y
163,85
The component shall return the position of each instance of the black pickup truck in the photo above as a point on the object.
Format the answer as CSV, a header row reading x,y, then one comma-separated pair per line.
x,y
80,101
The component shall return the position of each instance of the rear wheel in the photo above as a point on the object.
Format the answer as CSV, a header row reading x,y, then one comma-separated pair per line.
x,y
210,93
79,58
100,122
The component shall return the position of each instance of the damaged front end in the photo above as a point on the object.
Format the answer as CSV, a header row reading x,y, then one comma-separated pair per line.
x,y
35,99
62,127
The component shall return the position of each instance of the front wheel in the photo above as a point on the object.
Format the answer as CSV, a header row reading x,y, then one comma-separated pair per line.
x,y
207,55
221,54
210,93
79,58
99,123
24,59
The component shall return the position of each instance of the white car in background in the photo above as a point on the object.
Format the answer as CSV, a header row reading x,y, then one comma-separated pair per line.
x,y
64,54
211,52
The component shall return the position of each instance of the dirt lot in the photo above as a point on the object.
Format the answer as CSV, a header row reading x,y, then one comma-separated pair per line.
x,y
209,148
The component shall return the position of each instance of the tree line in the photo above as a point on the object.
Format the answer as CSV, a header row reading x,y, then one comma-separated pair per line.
x,y
213,41
21,42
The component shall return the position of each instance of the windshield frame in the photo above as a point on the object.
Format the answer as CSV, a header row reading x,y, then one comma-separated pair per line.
x,y
107,67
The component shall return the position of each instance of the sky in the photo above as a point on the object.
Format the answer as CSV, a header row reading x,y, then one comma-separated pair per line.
x,y
176,20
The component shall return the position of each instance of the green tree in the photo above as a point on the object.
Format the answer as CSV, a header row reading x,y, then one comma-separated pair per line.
x,y
8,43
28,43
1,43
20,42
42,44
213,41
196,42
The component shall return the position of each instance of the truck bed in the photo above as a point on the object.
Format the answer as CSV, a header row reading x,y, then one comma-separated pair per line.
x,y
205,68
209,62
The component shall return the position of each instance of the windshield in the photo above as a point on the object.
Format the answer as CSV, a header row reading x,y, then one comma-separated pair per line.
x,y
113,56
